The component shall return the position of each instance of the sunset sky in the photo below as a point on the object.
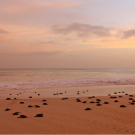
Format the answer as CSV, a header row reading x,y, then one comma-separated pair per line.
x,y
67,33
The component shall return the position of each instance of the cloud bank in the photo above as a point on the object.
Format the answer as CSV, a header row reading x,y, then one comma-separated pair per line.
x,y
38,53
81,30
129,33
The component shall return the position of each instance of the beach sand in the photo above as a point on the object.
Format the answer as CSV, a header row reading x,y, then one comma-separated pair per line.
x,y
65,116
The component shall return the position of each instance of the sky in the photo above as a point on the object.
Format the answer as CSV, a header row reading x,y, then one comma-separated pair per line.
x,y
67,34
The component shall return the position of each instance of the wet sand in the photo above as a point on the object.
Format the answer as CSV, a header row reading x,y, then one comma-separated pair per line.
x,y
66,116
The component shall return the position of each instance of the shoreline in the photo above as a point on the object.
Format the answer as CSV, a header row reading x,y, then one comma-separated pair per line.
x,y
70,91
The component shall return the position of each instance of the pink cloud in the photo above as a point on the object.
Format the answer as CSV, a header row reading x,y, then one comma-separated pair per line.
x,y
24,12
2,31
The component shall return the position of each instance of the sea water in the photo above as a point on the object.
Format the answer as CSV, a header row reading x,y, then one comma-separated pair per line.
x,y
22,79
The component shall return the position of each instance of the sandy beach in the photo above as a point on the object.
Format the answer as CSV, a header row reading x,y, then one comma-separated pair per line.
x,y
66,116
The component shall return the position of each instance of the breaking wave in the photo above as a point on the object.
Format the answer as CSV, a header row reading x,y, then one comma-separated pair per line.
x,y
60,83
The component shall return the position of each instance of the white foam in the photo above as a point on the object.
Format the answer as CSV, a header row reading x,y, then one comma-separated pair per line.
x,y
59,83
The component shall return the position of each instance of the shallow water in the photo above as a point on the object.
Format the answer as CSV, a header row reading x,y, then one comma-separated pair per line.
x,y
16,79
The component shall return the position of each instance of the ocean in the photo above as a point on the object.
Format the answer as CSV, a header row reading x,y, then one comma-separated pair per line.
x,y
22,79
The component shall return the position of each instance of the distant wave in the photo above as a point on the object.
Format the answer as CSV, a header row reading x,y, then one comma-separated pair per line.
x,y
60,83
